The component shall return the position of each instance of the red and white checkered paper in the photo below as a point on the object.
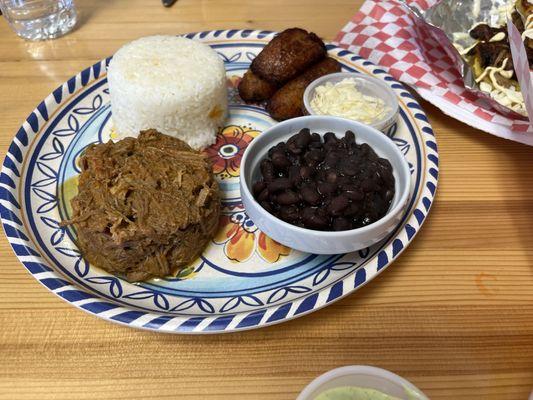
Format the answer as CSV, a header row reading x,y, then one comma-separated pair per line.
x,y
385,33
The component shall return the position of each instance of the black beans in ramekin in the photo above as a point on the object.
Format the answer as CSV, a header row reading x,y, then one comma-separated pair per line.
x,y
326,184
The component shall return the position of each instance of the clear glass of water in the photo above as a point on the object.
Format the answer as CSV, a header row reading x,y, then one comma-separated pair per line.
x,y
39,19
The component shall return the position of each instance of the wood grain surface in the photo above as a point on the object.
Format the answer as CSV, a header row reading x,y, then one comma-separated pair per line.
x,y
454,314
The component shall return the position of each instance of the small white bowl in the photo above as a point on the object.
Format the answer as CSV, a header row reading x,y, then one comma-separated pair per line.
x,y
367,85
313,241
363,376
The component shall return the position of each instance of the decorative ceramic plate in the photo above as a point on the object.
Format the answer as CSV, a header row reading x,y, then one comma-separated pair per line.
x,y
244,279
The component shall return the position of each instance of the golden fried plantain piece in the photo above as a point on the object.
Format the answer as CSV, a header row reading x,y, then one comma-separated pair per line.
x,y
288,102
287,55
254,89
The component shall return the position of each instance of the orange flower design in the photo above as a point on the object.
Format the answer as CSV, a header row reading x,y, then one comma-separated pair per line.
x,y
241,238
227,152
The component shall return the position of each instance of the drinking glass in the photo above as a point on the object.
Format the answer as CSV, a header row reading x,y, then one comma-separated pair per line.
x,y
39,19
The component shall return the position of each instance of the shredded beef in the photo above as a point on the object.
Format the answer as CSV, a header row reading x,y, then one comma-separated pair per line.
x,y
145,206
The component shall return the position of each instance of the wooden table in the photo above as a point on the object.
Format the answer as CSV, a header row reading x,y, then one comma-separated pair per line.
x,y
454,314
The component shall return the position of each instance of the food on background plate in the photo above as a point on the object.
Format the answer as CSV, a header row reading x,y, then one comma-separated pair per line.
x,y
287,55
282,70
288,102
353,393
255,89
343,99
172,84
491,60
145,206
326,184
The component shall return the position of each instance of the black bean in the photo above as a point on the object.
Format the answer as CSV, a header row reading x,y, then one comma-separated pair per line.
x,y
330,137
314,220
306,172
326,188
293,147
287,198
354,194
349,137
368,185
263,195
352,209
267,170
279,184
310,195
332,177
258,187
331,159
338,205
294,175
366,149
267,206
303,138
348,167
314,156
325,184
289,213
280,160
318,222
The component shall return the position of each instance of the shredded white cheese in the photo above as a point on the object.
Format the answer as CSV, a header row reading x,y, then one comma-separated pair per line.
x,y
508,96
498,37
528,28
462,51
342,99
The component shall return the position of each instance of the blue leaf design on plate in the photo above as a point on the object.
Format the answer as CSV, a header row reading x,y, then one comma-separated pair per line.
x,y
321,276
46,207
251,301
363,253
204,305
159,299
57,237
280,294
223,56
46,170
392,130
44,182
52,223
115,288
73,126
185,305
81,267
231,304
250,56
69,252
342,266
234,57
402,144
97,102
59,150
44,195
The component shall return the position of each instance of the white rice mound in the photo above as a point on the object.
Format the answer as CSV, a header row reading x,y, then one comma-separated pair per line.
x,y
172,84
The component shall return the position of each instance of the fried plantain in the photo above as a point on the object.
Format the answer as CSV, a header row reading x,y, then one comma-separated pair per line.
x,y
287,55
254,89
287,102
